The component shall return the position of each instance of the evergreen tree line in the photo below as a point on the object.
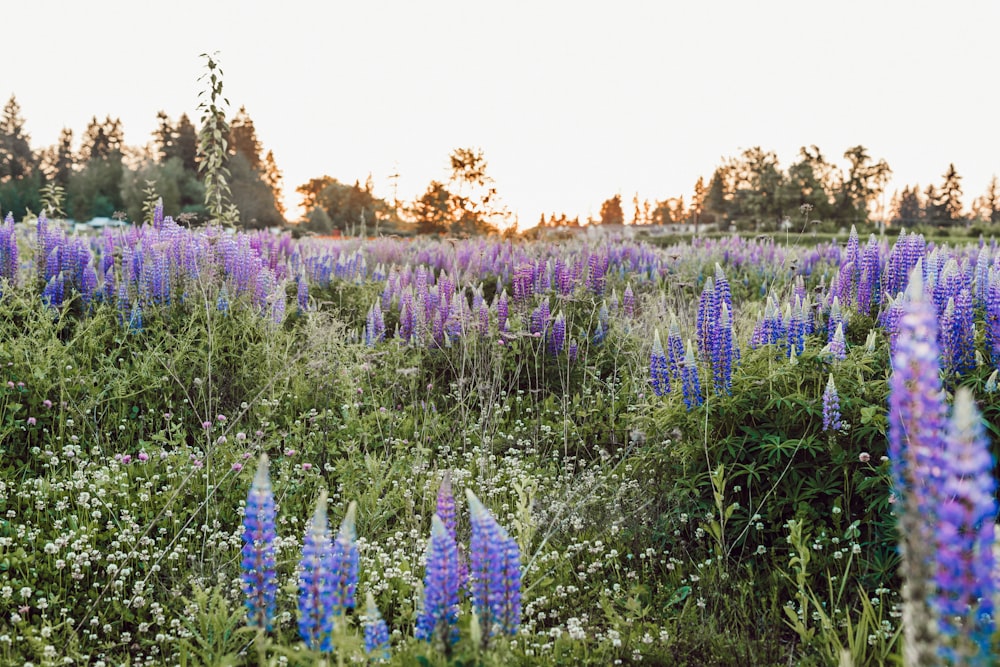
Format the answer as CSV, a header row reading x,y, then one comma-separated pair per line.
x,y
753,192
106,178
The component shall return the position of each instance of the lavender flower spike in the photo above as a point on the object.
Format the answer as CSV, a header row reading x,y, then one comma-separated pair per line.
x,y
316,582
965,539
260,582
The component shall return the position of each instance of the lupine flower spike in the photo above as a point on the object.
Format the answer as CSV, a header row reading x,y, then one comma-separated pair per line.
x,y
495,573
439,616
831,407
316,583
446,510
916,429
344,563
260,583
376,632
965,538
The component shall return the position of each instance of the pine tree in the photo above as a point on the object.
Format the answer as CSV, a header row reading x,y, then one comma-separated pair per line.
x,y
272,176
907,208
16,158
992,200
611,211
102,140
951,196
186,143
58,162
243,139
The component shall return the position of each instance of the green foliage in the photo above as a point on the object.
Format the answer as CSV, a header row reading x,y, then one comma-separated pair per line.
x,y
180,189
213,146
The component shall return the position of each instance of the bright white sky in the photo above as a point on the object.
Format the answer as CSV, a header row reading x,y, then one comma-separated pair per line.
x,y
572,102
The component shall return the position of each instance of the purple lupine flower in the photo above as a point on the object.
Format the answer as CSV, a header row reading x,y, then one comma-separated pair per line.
x,y
598,266
135,318
675,347
316,595
916,445
574,351
503,311
613,302
540,319
837,318
961,356
344,563
690,385
831,407
54,291
495,573
376,632
407,317
992,315
260,582
439,616
838,344
659,370
446,506
374,325
510,613
916,405
706,316
8,250
158,213
557,335
302,293
222,303
965,538
870,285
603,321
902,258
628,301
981,274
446,510
722,351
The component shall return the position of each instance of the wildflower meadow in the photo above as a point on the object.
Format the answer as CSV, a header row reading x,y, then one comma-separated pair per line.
x,y
230,448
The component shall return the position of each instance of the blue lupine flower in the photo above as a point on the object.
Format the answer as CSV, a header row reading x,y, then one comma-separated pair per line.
x,y
965,537
690,385
316,581
439,616
510,614
495,573
344,563
260,582
376,632
831,407
659,370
